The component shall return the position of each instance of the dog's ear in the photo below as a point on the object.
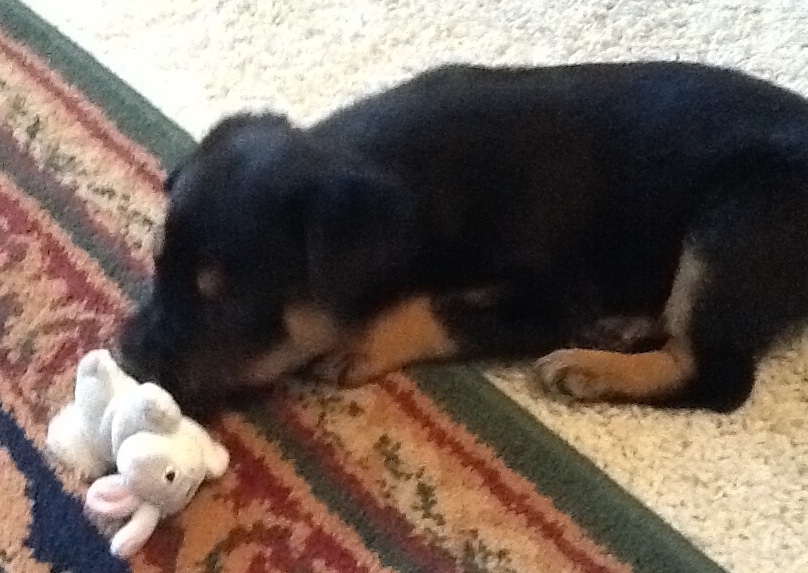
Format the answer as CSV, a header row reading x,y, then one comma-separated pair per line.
x,y
360,236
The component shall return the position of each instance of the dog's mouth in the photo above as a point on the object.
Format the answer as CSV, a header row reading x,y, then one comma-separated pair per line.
x,y
309,370
134,368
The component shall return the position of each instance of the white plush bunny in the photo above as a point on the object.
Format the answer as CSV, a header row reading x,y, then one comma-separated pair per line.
x,y
162,457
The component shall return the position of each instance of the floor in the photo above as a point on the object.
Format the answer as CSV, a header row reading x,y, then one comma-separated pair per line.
x,y
736,485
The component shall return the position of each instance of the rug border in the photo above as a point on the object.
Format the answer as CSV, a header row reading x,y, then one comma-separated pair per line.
x,y
631,530
41,484
634,533
133,114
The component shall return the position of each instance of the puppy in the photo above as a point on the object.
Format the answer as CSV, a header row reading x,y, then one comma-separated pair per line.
x,y
642,226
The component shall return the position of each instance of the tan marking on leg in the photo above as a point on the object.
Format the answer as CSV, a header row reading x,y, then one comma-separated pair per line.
x,y
406,333
598,374
310,332
686,286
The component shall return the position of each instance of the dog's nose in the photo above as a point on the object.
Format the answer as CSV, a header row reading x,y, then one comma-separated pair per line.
x,y
139,348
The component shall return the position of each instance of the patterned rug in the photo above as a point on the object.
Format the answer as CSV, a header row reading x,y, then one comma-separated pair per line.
x,y
430,470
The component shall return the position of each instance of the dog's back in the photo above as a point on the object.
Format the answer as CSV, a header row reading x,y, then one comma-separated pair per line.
x,y
562,168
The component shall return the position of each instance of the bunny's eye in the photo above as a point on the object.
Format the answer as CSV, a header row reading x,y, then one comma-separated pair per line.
x,y
170,475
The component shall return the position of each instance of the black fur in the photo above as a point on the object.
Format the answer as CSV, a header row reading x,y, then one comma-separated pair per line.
x,y
567,193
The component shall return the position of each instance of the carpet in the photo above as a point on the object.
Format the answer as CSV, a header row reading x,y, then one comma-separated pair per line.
x,y
430,470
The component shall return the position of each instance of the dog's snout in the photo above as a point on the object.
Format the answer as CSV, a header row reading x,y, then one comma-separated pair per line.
x,y
149,349
143,342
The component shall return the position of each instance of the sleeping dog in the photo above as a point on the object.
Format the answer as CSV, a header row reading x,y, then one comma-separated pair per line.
x,y
640,228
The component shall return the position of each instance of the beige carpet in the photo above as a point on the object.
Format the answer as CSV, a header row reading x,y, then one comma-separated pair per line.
x,y
736,485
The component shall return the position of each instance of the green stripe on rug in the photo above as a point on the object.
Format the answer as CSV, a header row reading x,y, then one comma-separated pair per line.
x,y
41,187
308,465
610,515
133,114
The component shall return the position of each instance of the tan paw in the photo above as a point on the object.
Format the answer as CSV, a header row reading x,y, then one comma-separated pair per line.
x,y
347,369
564,373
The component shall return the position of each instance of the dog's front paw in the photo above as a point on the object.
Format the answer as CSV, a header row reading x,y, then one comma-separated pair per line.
x,y
566,373
347,369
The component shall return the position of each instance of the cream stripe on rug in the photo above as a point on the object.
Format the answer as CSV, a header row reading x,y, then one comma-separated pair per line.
x,y
736,485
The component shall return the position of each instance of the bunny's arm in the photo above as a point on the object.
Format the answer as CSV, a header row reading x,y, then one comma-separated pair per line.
x,y
214,455
148,408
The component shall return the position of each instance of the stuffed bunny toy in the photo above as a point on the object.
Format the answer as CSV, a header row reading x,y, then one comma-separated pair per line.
x,y
161,456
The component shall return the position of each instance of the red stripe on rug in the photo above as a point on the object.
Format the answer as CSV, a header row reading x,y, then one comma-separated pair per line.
x,y
59,264
83,112
492,479
39,247
262,484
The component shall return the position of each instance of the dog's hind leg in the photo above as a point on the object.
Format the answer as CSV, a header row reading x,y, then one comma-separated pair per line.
x,y
593,374
742,281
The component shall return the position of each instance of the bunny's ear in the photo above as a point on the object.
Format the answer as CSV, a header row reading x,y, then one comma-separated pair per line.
x,y
111,497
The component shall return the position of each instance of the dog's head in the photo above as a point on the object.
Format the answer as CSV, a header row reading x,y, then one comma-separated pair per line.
x,y
273,241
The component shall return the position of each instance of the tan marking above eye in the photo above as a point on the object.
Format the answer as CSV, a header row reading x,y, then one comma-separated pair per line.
x,y
210,282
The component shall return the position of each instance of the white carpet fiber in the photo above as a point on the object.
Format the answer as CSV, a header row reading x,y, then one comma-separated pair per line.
x,y
736,485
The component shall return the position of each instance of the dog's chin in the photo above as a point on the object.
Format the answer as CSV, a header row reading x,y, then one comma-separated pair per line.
x,y
207,403
134,367
197,396
205,397
202,401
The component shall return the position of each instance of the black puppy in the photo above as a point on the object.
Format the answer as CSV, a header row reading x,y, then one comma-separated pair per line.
x,y
655,215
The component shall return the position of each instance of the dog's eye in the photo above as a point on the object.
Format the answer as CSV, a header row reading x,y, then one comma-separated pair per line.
x,y
170,475
210,282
